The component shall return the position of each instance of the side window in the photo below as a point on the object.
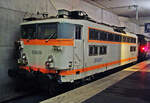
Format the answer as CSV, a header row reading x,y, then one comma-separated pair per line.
x,y
103,36
95,50
65,31
91,34
102,50
120,38
91,50
132,48
105,50
126,39
123,39
129,39
133,40
99,35
117,38
78,32
96,35
110,37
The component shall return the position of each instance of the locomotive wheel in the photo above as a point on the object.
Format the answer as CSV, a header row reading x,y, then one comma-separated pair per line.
x,y
87,80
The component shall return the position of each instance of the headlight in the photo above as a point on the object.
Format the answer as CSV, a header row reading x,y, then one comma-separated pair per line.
x,y
49,62
24,59
23,56
50,58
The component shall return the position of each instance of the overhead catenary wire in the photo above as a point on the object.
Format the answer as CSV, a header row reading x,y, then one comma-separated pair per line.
x,y
53,4
20,11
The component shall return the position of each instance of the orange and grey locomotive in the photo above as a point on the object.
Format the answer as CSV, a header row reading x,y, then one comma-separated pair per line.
x,y
69,49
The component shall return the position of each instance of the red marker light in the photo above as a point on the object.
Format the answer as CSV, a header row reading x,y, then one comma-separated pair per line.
x,y
143,48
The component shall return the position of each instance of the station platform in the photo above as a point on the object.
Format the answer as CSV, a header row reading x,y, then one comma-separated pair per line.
x,y
131,85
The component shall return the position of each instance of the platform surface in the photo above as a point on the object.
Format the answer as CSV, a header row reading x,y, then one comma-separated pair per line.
x,y
131,85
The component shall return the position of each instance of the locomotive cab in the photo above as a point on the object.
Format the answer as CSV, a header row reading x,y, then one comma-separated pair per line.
x,y
57,39
46,43
50,48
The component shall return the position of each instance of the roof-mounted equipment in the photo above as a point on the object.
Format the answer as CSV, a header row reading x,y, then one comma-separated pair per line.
x,y
119,29
62,13
78,15
72,14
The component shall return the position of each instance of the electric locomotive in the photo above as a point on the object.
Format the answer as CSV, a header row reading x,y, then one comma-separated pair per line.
x,y
71,47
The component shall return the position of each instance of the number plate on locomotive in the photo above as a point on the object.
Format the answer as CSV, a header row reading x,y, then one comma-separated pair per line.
x,y
36,52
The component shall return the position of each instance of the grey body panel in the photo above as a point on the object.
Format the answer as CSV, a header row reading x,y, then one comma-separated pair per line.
x,y
61,58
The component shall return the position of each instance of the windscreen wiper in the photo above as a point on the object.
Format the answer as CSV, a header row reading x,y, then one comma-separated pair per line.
x,y
51,36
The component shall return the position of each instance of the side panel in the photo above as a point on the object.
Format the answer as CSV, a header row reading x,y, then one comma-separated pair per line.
x,y
125,53
128,56
100,63
93,64
78,54
117,53
78,51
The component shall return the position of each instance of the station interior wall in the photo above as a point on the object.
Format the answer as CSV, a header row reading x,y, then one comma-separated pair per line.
x,y
12,13
142,22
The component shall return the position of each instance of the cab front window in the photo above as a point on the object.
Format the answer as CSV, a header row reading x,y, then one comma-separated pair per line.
x,y
47,31
28,31
66,31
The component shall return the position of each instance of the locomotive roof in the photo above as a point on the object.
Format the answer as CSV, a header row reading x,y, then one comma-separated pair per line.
x,y
61,20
